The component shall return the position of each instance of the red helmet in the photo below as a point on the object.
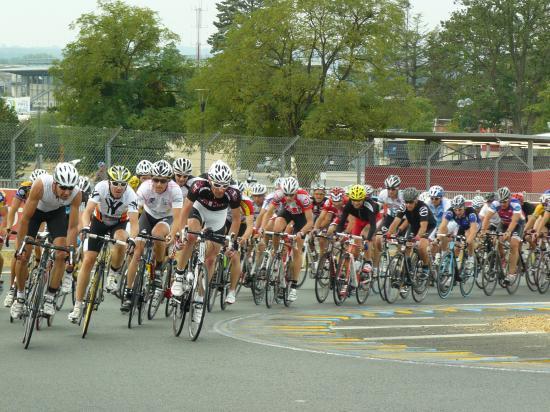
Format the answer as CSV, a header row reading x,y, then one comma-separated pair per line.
x,y
518,196
337,194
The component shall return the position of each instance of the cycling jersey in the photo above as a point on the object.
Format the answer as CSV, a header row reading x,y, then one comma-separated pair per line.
x,y
187,186
297,206
514,208
268,200
495,219
365,215
159,205
317,207
465,220
202,196
528,209
49,200
23,193
2,199
390,207
109,210
539,210
246,206
439,211
420,213
329,207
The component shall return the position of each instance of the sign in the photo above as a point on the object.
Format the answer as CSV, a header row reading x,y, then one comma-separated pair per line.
x,y
22,105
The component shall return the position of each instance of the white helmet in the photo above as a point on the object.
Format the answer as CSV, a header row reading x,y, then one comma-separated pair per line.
x,y
436,191
220,173
36,173
369,189
182,166
278,182
290,186
65,174
144,168
84,184
258,189
241,185
477,202
392,181
424,197
162,169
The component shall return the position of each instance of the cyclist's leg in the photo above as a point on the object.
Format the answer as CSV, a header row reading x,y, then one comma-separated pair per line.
x,y
515,245
161,229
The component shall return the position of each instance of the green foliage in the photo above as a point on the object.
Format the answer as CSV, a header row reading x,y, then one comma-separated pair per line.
x,y
7,113
123,70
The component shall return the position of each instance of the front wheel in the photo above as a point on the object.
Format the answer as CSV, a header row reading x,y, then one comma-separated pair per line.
x,y
393,278
445,276
196,303
323,279
135,306
91,299
543,273
489,273
341,291
468,279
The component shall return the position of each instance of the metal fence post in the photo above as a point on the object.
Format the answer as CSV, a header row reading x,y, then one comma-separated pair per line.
x,y
286,149
13,168
530,163
362,162
497,166
204,147
429,167
108,146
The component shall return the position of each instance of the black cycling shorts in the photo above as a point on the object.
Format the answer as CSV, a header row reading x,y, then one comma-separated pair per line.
x,y
57,221
299,220
101,229
148,222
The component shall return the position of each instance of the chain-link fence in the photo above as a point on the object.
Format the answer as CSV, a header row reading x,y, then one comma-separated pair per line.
x,y
456,167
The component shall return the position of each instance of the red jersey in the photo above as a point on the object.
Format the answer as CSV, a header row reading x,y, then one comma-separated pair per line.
x,y
297,206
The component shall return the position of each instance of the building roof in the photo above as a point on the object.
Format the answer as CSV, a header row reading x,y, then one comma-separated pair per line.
x,y
30,70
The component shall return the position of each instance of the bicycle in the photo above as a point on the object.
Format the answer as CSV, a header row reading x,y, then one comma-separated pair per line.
x,y
196,288
492,270
348,277
326,269
32,311
160,288
246,277
543,265
278,273
310,260
220,281
452,267
259,278
141,290
94,294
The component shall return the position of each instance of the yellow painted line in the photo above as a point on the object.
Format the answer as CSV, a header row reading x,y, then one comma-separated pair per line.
x,y
404,312
368,314
449,310
299,327
542,308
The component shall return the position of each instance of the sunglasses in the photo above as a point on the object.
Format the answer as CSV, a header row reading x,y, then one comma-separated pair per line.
x,y
219,185
162,181
181,176
409,202
119,184
393,188
65,187
435,198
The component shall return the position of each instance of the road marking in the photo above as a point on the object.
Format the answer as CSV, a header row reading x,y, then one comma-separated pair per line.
x,y
455,335
450,325
403,318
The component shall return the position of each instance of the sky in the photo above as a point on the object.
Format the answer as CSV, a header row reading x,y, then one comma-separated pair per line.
x,y
39,23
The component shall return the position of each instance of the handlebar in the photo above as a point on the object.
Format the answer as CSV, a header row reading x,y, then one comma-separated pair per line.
x,y
209,235
46,245
108,239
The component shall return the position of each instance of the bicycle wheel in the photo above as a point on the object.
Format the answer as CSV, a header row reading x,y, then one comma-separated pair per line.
x,y
393,279
60,301
306,270
382,269
489,273
288,283
340,291
468,279
167,293
322,279
196,303
258,286
145,296
271,287
214,286
531,272
419,288
511,288
543,273
180,308
225,284
90,300
363,289
32,309
136,294
445,276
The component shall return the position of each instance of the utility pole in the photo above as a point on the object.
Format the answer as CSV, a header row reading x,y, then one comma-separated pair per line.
x,y
198,12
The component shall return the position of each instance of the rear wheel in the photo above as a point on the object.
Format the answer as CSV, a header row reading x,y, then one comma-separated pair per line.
x,y
197,304
340,291
543,273
489,273
135,306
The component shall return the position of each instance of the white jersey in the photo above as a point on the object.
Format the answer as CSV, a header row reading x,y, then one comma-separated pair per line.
x,y
109,210
495,219
390,206
159,205
268,199
49,200
185,188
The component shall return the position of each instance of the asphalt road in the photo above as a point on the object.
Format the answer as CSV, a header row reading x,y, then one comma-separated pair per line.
x,y
307,357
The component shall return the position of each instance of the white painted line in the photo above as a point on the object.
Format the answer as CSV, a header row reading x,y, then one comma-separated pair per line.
x,y
396,318
494,304
455,335
442,325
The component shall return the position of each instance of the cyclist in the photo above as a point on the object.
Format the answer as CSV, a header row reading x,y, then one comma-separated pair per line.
x,y
318,199
111,206
512,223
162,201
182,174
144,170
296,207
134,183
3,232
438,203
477,203
460,221
258,192
542,224
206,207
391,200
417,217
332,211
495,218
46,203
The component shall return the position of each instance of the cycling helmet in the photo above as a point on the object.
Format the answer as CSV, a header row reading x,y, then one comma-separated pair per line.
x,y
37,172
410,194
518,196
65,174
337,194
290,186
545,197
84,184
458,202
119,174
490,197
162,169
134,182
241,185
503,194
144,168
182,166
424,197
392,182
220,173
357,193
436,191
26,186
318,186
258,189
369,189
278,182
478,202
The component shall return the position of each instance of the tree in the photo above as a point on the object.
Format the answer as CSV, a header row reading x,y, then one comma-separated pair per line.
x,y
229,12
7,113
9,127
122,70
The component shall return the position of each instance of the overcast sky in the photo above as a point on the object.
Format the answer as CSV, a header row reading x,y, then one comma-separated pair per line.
x,y
39,23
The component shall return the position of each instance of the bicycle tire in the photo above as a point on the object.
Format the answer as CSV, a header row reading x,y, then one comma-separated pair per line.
x,y
168,278
490,274
467,281
444,274
136,292
288,283
543,273
36,294
305,272
382,268
270,287
225,285
258,286
393,279
530,273
419,288
91,298
341,280
180,308
59,304
363,290
201,282
512,288
322,279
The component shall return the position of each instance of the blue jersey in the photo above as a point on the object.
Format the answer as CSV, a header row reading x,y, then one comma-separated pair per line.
x,y
465,221
439,211
505,214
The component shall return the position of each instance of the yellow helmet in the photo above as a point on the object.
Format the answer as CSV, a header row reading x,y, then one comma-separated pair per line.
x,y
357,192
134,182
119,174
